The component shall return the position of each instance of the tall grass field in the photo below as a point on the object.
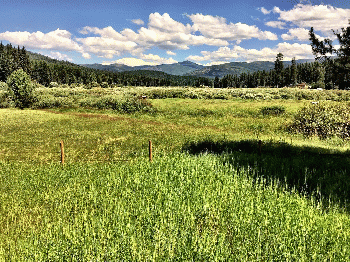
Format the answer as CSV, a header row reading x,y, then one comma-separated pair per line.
x,y
229,181
179,207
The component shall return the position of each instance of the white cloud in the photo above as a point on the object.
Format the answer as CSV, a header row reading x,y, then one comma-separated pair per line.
x,y
276,24
54,40
276,10
157,59
107,32
238,53
149,59
216,63
138,21
321,17
264,10
300,34
86,55
170,53
131,61
60,56
217,28
164,23
106,47
165,33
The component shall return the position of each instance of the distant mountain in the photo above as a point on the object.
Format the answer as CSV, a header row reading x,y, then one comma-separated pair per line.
x,y
188,68
237,68
182,68
111,68
233,68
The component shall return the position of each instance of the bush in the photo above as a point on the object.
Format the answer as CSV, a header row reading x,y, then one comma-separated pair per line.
x,y
272,110
3,86
318,85
323,121
21,88
50,101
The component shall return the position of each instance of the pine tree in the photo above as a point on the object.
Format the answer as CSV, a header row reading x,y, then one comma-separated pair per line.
x,y
294,72
324,49
279,69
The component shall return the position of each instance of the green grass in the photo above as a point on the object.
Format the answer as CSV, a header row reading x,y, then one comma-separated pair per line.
x,y
218,200
179,207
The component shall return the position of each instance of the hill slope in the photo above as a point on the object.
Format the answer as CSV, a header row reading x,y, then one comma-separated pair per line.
x,y
189,68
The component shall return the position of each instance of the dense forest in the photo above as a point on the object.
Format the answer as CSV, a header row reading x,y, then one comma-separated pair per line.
x,y
314,73
45,71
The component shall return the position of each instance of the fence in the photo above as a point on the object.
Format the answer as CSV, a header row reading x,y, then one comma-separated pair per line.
x,y
48,151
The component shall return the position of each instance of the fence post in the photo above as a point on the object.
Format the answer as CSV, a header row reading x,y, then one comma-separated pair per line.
x,y
259,147
62,152
150,150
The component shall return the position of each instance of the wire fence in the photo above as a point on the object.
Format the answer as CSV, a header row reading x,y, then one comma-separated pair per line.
x,y
68,151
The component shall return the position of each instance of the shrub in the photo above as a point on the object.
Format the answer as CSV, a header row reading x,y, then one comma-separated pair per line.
x,y
323,121
50,101
104,85
318,84
21,88
3,86
272,110
132,105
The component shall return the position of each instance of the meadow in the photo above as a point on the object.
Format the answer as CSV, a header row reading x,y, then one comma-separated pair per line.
x,y
210,193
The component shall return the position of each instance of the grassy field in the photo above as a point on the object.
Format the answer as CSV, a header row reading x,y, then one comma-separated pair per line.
x,y
179,207
209,194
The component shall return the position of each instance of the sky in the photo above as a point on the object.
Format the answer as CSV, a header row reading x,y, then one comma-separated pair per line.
x,y
152,32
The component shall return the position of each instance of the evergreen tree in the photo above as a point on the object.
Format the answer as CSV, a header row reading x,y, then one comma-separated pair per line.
x,y
279,70
21,88
324,49
294,72
216,82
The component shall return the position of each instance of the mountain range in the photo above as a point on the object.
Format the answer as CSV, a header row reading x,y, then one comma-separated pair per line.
x,y
188,68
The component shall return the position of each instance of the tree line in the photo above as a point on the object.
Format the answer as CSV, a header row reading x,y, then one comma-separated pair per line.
x,y
312,73
45,71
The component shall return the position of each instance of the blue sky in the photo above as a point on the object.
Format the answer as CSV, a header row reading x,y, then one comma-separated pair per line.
x,y
137,32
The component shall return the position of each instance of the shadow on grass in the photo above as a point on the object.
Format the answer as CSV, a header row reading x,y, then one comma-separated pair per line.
x,y
317,172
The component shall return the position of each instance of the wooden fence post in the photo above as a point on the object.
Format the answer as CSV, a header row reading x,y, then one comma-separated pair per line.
x,y
259,147
150,150
62,152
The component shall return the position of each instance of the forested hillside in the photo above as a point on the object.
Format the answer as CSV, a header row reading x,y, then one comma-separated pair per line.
x,y
45,70
181,68
312,73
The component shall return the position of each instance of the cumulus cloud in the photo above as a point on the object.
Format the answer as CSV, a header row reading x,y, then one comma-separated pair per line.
x,y
222,54
106,47
215,27
238,53
300,34
138,21
60,56
54,40
264,10
157,59
149,59
164,23
170,53
166,33
276,24
321,17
